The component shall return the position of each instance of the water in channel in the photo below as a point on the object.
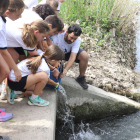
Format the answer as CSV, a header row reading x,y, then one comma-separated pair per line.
x,y
125,127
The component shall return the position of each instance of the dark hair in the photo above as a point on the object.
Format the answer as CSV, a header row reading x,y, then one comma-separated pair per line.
x,y
55,21
3,6
76,29
15,5
44,10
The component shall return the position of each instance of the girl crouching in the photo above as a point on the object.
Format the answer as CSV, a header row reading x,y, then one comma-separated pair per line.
x,y
35,73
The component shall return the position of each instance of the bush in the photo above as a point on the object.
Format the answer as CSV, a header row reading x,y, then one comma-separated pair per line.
x,y
105,14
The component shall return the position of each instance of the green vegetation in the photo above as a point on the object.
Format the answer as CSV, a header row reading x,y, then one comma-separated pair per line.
x,y
98,17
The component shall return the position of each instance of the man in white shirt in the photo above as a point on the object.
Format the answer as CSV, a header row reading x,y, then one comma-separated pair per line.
x,y
70,41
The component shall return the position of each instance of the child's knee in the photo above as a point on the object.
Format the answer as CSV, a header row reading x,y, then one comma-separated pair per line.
x,y
44,77
5,73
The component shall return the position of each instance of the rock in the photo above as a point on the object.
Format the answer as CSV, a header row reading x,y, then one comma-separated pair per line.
x,y
128,94
136,96
112,31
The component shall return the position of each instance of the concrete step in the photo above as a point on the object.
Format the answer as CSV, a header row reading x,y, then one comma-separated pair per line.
x,y
30,122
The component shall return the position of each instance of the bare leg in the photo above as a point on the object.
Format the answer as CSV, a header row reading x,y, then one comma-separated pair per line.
x,y
22,57
4,69
29,91
15,57
14,54
39,80
83,57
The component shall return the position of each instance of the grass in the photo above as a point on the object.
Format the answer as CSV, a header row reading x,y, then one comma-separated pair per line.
x,y
95,15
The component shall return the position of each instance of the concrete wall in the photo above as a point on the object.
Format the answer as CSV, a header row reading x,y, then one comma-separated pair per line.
x,y
93,103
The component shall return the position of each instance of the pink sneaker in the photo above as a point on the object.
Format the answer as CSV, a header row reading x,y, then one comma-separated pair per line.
x,y
5,116
2,109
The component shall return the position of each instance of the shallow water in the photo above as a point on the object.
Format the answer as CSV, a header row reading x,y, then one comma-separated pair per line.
x,y
126,127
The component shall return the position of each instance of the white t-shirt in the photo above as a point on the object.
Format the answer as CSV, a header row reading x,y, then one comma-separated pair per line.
x,y
27,17
14,38
22,66
59,40
3,42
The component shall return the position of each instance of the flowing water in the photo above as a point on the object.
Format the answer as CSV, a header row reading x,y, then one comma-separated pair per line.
x,y
125,127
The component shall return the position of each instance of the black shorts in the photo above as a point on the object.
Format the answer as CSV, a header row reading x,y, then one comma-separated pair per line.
x,y
20,50
18,86
67,55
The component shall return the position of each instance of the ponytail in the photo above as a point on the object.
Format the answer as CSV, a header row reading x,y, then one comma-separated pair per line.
x,y
33,63
28,36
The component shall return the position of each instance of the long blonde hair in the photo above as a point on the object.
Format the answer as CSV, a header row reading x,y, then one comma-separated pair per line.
x,y
53,52
28,36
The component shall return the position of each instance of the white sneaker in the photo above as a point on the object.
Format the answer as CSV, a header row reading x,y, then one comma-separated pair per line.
x,y
3,95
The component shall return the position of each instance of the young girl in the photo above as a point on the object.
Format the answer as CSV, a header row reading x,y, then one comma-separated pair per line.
x,y
15,8
35,73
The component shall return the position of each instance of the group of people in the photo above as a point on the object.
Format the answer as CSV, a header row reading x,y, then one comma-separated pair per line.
x,y
33,42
